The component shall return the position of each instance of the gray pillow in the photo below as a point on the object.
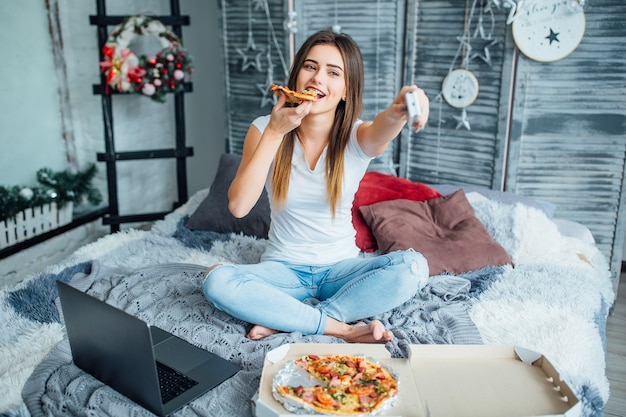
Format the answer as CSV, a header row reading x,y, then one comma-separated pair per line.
x,y
212,214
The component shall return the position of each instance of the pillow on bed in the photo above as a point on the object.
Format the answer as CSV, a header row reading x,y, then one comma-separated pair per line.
x,y
505,197
212,214
445,230
376,187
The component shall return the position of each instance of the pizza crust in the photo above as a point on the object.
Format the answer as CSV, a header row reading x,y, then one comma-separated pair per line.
x,y
294,96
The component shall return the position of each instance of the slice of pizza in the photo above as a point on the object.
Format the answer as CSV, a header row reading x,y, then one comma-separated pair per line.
x,y
295,96
331,400
330,368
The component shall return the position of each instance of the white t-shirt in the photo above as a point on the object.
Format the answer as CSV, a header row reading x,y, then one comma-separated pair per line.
x,y
303,231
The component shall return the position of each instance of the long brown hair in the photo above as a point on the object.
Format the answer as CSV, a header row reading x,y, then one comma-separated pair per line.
x,y
348,111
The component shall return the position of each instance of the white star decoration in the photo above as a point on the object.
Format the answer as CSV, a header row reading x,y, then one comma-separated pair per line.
x,y
247,61
462,120
483,39
485,55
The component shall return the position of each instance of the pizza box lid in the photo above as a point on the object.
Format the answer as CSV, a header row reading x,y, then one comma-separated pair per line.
x,y
489,381
446,381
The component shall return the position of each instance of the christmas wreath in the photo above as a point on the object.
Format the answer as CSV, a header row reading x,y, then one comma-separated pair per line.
x,y
151,76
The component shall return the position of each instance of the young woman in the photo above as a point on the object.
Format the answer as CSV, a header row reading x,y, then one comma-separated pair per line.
x,y
311,158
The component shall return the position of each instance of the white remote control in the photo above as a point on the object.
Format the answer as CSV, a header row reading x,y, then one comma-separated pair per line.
x,y
413,109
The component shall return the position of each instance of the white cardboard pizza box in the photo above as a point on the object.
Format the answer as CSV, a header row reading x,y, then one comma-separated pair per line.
x,y
489,381
447,381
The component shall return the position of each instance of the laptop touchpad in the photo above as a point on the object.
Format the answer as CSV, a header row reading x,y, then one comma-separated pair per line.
x,y
179,354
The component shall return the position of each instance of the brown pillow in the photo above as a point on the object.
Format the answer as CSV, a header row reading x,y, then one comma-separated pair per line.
x,y
376,187
445,230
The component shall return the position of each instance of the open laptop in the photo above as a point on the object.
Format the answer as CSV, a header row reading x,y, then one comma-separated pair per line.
x,y
135,359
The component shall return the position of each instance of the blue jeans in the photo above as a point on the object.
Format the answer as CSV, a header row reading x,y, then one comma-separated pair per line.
x,y
272,293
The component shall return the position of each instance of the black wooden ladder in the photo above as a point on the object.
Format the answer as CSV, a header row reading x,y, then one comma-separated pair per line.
x,y
180,152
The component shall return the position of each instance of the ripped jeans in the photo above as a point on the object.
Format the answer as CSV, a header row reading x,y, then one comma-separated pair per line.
x,y
272,293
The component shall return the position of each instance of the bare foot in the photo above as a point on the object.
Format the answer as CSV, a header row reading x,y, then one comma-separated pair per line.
x,y
259,332
372,332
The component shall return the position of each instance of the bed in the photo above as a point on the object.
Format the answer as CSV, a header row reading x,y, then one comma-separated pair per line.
x,y
503,271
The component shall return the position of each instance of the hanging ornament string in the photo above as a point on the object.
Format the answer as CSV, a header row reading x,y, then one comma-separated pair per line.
x,y
480,29
377,89
336,26
150,76
465,39
262,4
267,97
460,86
251,48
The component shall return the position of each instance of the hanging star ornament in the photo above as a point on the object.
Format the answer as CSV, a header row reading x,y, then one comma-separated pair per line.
x,y
462,121
482,39
484,53
246,54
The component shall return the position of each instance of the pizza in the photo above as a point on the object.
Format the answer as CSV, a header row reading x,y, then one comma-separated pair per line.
x,y
349,385
294,96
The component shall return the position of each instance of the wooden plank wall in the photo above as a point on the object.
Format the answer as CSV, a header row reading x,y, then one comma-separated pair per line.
x,y
448,151
378,27
553,131
255,54
568,141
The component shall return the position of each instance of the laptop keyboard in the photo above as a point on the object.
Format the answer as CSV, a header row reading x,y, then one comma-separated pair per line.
x,y
172,382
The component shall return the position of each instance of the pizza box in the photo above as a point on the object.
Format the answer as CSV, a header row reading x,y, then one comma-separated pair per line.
x,y
446,381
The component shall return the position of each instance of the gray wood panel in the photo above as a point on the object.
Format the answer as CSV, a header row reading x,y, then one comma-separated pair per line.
x,y
553,131
247,79
616,355
568,141
445,152
378,28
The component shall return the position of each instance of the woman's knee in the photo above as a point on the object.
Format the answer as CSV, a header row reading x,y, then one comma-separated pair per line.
x,y
416,264
216,280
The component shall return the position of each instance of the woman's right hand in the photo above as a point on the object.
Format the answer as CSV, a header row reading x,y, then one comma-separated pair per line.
x,y
258,153
285,119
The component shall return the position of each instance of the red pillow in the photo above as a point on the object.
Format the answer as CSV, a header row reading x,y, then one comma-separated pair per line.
x,y
376,187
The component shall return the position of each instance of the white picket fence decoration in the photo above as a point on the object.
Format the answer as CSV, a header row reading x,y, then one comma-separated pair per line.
x,y
32,222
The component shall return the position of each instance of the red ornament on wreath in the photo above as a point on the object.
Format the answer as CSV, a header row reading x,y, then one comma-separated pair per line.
x,y
150,76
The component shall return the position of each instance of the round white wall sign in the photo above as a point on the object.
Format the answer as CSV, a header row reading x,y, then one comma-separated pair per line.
x,y
460,88
547,31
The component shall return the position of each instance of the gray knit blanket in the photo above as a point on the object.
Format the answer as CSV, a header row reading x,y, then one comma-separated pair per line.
x,y
169,296
552,302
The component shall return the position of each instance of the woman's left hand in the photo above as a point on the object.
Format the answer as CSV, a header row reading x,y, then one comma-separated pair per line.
x,y
374,136
399,106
